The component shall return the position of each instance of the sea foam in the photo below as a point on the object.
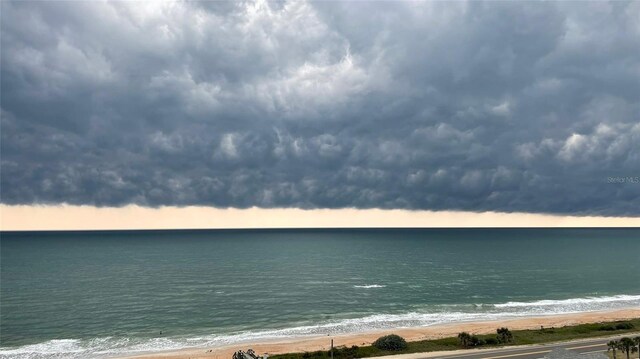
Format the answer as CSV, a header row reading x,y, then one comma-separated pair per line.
x,y
572,301
109,346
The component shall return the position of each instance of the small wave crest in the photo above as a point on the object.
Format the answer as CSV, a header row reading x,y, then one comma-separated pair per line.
x,y
110,346
575,304
367,286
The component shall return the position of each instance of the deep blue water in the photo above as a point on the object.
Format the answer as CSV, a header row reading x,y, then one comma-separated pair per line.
x,y
93,294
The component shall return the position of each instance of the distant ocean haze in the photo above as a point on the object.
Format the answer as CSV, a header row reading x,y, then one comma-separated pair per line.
x,y
100,294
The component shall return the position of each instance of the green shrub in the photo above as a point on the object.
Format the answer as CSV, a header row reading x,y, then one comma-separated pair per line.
x,y
476,342
618,326
390,342
349,353
491,341
623,326
345,353
608,328
467,340
464,339
504,335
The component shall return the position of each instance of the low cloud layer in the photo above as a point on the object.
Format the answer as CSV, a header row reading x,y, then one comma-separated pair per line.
x,y
502,106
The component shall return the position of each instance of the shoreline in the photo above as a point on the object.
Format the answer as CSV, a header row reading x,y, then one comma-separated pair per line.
x,y
313,343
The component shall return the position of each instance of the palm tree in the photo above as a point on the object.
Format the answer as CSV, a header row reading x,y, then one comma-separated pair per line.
x,y
625,345
504,335
612,346
636,341
464,338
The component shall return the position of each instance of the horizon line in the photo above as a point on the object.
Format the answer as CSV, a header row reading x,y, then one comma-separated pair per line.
x,y
293,229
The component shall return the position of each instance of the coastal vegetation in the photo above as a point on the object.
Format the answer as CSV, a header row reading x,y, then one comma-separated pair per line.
x,y
612,346
502,337
625,345
505,336
466,340
390,342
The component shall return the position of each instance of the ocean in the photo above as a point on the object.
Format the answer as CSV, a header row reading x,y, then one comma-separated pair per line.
x,y
105,294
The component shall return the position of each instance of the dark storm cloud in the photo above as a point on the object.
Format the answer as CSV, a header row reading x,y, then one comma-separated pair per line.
x,y
505,106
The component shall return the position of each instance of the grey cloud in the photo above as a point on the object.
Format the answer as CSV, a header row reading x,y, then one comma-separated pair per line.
x,y
468,105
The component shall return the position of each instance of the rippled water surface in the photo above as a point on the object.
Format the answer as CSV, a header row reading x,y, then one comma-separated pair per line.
x,y
96,294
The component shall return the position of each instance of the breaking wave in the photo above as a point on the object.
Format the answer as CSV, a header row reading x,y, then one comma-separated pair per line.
x,y
110,346
574,302
367,286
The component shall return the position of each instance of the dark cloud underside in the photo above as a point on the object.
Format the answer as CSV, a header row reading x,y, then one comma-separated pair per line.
x,y
505,106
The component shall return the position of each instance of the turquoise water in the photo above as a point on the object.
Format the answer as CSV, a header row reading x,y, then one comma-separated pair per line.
x,y
102,294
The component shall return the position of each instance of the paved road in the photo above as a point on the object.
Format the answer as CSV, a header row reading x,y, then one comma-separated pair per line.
x,y
538,351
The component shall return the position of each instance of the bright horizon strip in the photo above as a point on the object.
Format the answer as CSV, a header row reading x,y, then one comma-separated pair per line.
x,y
68,217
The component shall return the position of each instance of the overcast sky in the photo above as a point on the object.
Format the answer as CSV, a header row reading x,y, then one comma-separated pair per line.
x,y
497,106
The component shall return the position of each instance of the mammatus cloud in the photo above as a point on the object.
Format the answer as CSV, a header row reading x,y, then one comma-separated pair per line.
x,y
499,106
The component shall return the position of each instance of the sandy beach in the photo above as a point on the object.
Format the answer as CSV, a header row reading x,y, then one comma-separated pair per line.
x,y
411,334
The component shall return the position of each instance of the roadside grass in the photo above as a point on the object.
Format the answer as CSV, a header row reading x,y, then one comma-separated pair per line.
x,y
520,337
